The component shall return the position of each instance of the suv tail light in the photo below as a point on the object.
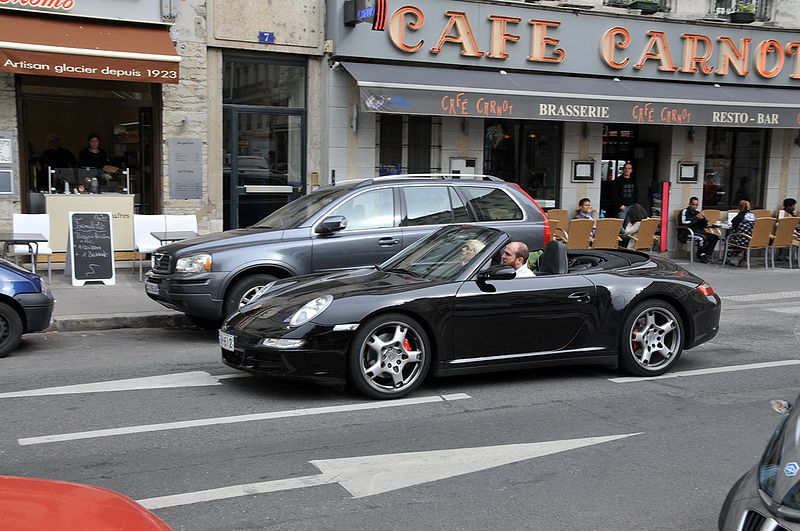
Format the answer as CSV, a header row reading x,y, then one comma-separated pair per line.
x,y
547,233
706,289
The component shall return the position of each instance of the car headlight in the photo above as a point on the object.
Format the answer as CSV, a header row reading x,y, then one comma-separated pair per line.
x,y
311,310
198,263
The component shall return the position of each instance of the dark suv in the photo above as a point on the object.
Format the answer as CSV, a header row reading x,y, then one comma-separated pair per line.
x,y
350,224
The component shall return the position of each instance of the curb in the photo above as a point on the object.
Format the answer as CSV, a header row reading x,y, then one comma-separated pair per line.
x,y
72,323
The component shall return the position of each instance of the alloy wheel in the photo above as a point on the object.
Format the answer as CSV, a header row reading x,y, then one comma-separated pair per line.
x,y
655,338
392,357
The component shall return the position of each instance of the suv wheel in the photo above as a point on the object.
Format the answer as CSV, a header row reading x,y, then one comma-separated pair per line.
x,y
10,329
243,291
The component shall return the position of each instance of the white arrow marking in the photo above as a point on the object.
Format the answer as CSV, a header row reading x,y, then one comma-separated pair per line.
x,y
376,474
361,406
181,379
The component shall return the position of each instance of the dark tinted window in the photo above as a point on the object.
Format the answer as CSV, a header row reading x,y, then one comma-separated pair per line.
x,y
370,210
492,204
460,212
427,205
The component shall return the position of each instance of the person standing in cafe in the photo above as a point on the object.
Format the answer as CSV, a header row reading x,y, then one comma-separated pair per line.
x,y
92,156
625,190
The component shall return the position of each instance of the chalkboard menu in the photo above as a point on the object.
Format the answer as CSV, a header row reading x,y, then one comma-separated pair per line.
x,y
91,251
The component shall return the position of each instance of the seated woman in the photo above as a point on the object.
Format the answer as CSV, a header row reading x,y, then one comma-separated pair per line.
x,y
742,224
630,227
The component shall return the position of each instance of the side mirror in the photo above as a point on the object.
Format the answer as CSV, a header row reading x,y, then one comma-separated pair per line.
x,y
781,406
331,224
501,272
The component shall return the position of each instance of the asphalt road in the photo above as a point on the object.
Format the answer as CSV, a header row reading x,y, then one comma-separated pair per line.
x,y
694,435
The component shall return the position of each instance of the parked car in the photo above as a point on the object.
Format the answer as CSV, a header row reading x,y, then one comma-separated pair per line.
x,y
767,497
425,310
25,305
354,223
29,504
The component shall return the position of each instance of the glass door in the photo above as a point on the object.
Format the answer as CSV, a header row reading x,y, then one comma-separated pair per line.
x,y
265,152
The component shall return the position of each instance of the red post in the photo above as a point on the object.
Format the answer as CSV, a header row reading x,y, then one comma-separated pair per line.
x,y
664,214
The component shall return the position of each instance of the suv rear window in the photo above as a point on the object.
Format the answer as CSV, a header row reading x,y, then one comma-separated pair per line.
x,y
492,204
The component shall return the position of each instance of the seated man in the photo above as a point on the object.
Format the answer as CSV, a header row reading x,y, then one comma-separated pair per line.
x,y
696,220
585,210
515,255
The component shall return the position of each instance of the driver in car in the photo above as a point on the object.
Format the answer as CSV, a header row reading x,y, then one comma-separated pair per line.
x,y
515,255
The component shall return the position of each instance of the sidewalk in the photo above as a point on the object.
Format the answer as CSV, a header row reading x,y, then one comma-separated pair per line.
x,y
125,305
96,306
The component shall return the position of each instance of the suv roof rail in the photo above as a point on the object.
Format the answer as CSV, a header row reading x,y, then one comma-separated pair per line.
x,y
432,176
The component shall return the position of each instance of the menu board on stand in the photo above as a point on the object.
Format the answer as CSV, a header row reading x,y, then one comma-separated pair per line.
x,y
90,248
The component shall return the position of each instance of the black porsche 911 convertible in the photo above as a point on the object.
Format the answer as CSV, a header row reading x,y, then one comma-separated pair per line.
x,y
433,309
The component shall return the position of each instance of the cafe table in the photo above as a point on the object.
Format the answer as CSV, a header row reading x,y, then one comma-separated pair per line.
x,y
30,239
173,235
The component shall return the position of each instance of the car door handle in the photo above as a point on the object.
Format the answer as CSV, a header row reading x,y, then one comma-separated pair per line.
x,y
580,296
388,242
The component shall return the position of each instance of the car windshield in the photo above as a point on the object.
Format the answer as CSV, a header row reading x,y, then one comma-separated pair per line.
x,y
779,462
292,215
444,254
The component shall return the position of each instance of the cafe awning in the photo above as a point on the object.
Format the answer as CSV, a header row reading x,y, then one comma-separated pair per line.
x,y
70,47
497,94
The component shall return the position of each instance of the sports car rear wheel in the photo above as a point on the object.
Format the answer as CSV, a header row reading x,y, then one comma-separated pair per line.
x,y
652,339
389,357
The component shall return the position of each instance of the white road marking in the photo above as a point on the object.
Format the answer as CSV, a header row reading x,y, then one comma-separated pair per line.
x,y
376,474
181,379
713,370
239,418
762,296
791,310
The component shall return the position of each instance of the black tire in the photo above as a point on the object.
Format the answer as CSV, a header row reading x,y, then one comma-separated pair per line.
x,y
205,324
651,341
243,290
397,339
10,329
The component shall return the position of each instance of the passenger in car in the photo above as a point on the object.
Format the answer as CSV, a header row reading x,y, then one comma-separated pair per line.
x,y
470,249
515,255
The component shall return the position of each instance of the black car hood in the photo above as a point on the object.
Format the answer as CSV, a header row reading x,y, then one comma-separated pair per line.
x,y
228,238
288,296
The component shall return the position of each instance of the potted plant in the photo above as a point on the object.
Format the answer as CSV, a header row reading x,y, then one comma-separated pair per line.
x,y
744,12
647,8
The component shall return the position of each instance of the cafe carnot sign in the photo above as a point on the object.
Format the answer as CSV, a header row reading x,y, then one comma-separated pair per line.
x,y
718,57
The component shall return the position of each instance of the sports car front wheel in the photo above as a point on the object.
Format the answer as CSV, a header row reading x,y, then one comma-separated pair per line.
x,y
652,339
389,356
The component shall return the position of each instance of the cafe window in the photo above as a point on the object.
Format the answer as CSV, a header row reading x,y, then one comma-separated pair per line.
x,y
735,167
527,153
408,144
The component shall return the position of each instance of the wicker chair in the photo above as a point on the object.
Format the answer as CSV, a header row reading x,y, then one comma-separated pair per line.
x,y
557,232
679,229
646,237
560,215
606,234
784,235
759,239
580,234
761,213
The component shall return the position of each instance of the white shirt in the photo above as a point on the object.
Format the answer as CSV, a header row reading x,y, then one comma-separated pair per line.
x,y
524,272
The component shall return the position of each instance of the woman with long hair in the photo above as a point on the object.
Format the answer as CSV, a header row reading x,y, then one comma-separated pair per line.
x,y
630,227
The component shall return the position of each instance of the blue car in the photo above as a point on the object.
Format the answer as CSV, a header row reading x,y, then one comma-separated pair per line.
x,y
25,305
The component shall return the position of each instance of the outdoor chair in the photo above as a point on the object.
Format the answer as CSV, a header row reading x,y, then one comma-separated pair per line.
x,y
646,237
759,239
681,231
181,222
557,232
144,242
761,213
606,234
580,234
34,223
560,215
782,239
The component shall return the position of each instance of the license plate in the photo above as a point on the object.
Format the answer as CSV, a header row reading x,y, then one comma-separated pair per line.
x,y
151,288
226,341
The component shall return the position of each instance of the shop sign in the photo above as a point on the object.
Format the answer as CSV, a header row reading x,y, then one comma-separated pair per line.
x,y
91,67
133,10
477,104
482,34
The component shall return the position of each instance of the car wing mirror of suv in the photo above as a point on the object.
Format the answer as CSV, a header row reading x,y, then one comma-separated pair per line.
x,y
501,272
331,224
